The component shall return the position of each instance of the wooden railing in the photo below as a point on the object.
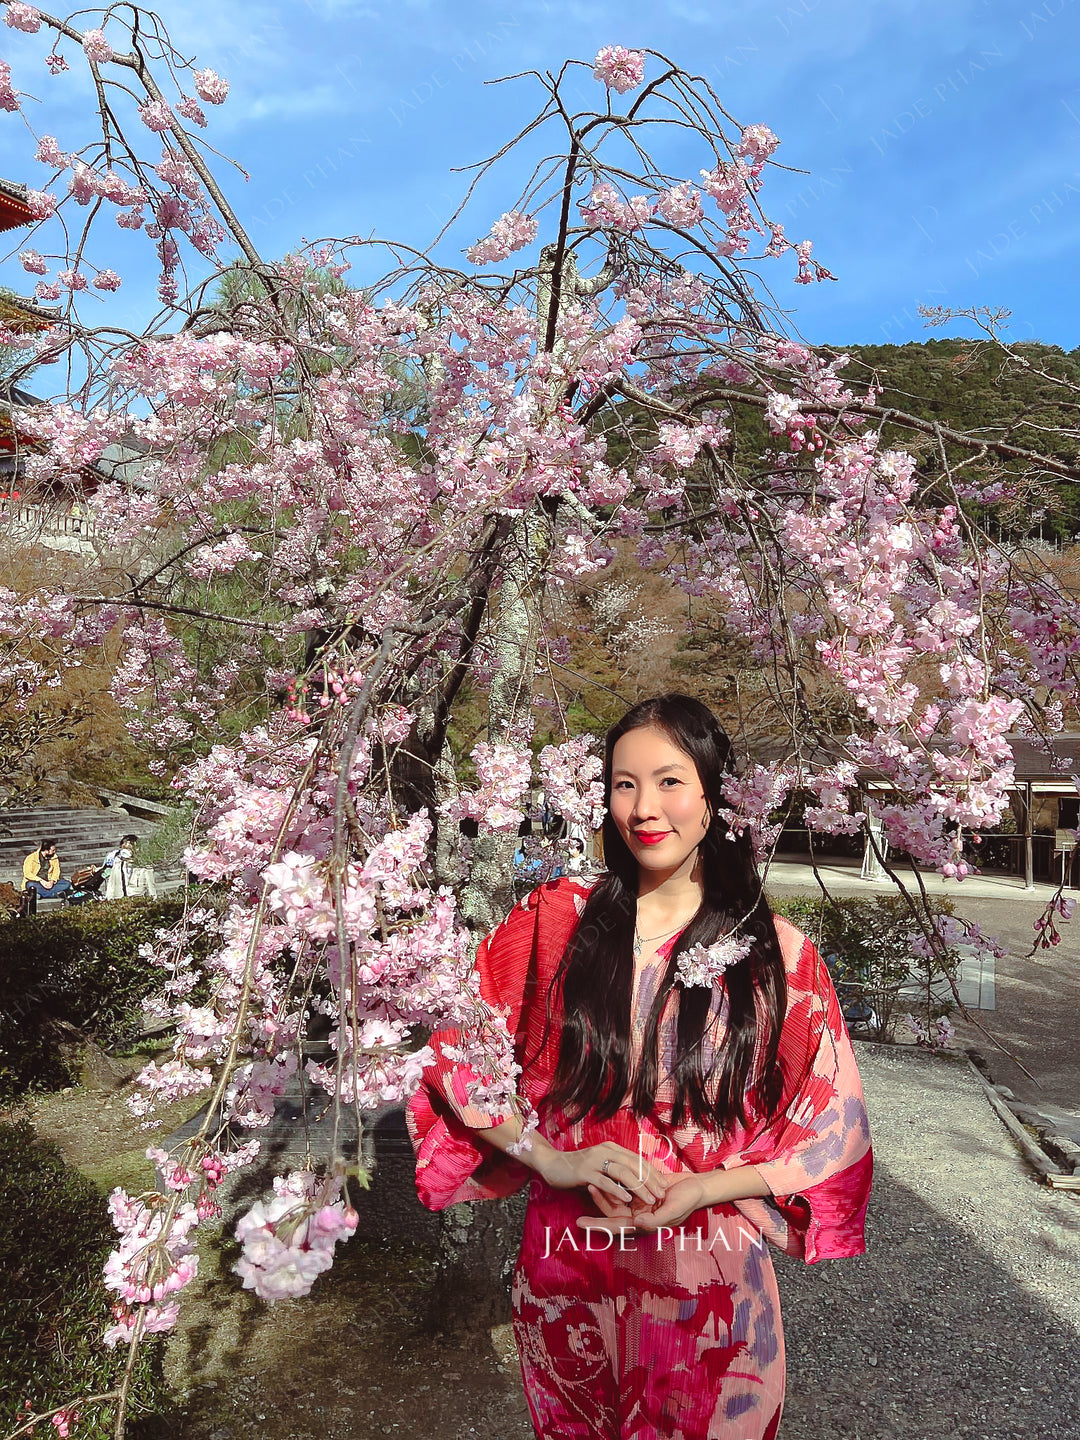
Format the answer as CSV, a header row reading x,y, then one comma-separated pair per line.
x,y
37,520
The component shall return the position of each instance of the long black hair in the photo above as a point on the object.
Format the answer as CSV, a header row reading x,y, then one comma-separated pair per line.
x,y
596,976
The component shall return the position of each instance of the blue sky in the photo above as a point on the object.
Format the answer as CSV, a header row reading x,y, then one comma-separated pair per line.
x,y
940,142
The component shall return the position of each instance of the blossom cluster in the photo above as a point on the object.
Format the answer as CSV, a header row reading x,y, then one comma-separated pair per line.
x,y
289,1241
155,1259
571,775
935,1036
510,232
705,964
182,206
619,69
503,773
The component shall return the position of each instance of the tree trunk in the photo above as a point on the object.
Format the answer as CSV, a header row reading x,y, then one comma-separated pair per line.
x,y
478,1248
488,892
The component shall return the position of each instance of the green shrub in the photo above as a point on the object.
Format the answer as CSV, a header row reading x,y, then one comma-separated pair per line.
x,y
165,846
55,1233
72,974
868,946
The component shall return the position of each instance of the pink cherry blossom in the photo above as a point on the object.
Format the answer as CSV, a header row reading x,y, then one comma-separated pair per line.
x,y
289,1241
22,17
49,152
211,87
606,209
156,115
619,69
33,262
98,50
512,231
729,185
681,206
8,98
705,964
107,280
503,773
190,109
40,203
571,774
757,143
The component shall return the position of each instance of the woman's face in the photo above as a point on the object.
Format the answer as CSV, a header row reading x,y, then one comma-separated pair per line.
x,y
657,801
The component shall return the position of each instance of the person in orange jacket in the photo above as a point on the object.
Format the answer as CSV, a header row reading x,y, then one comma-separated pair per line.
x,y
41,872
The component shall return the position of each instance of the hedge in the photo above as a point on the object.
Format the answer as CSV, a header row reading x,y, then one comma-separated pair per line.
x,y
70,974
55,1233
867,944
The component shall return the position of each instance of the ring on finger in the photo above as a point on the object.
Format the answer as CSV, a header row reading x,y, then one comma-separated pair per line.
x,y
603,1168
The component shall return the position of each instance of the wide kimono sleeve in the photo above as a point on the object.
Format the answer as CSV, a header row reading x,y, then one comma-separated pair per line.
x,y
515,965
815,1155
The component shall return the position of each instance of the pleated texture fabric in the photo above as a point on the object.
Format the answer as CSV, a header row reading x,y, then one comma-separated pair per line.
x,y
676,1336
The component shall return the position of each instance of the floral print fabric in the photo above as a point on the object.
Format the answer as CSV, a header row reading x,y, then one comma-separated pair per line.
x,y
676,1335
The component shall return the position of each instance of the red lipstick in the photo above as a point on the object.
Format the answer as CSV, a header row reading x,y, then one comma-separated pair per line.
x,y
646,837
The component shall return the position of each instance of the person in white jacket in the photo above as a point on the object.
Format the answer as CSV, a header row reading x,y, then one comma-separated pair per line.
x,y
123,877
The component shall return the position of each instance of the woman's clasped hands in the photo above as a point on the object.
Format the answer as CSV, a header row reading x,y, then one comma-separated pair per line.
x,y
684,1193
624,1178
629,1192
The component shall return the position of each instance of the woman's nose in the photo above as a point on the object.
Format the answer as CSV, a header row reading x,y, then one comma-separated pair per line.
x,y
646,805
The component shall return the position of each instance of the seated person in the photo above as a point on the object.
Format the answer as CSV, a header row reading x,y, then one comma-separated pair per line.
x,y
41,872
122,877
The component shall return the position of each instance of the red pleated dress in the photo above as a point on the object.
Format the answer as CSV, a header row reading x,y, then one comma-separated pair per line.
x,y
673,1336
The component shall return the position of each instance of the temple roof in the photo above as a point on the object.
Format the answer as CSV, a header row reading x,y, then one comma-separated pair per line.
x,y
121,462
1034,761
18,313
14,210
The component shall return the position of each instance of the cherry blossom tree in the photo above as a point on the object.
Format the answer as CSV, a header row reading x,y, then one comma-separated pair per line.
x,y
368,497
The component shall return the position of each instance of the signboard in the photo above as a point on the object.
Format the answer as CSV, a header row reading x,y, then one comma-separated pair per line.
x,y
1064,840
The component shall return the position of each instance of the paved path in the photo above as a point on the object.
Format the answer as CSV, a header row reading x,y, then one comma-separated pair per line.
x,y
842,876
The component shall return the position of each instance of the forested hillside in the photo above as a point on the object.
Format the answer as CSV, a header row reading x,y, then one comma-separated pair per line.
x,y
969,388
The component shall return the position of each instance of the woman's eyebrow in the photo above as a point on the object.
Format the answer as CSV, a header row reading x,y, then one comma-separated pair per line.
x,y
662,770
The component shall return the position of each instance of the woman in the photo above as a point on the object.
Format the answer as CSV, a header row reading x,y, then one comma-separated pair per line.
x,y
681,1124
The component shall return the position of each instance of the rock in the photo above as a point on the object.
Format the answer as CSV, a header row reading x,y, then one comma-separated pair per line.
x,y
1027,1114
97,1071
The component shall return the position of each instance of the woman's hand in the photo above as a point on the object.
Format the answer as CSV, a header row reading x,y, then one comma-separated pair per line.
x,y
607,1169
685,1194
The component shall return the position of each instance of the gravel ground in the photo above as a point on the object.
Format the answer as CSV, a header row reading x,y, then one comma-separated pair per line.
x,y
963,1318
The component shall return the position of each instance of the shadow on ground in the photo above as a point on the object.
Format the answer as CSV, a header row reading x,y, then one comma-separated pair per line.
x,y
924,1336
927,1335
